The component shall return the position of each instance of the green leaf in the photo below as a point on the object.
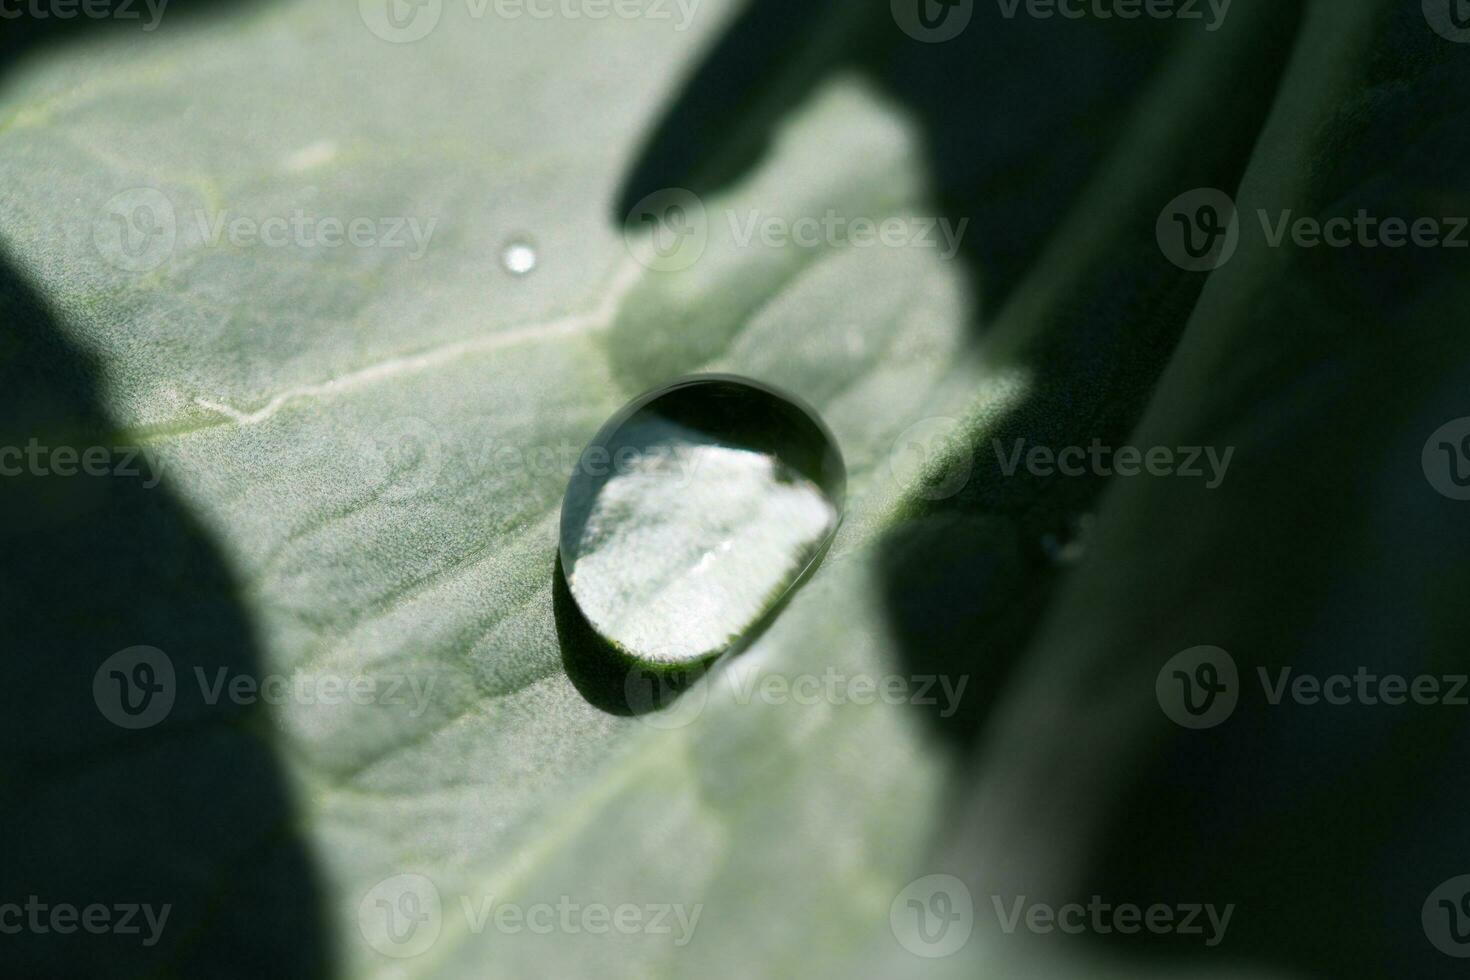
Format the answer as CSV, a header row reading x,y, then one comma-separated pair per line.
x,y
363,449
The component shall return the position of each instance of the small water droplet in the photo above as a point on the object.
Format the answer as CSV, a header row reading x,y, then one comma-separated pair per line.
x,y
693,512
1068,547
518,257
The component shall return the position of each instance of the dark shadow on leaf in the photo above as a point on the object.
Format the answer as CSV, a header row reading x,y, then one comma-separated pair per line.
x,y
1014,113
122,787
132,21
1326,827
1329,817
188,811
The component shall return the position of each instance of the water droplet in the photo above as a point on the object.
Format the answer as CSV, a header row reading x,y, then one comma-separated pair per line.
x,y
518,257
1069,547
693,512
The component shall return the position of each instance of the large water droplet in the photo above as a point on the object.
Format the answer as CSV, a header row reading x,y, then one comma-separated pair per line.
x,y
693,512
